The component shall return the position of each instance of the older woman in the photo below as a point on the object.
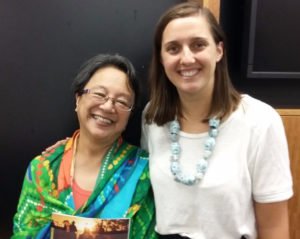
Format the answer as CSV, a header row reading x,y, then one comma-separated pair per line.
x,y
96,173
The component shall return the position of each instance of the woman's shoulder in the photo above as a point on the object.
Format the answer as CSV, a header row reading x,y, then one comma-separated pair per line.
x,y
251,103
254,108
49,157
255,113
139,152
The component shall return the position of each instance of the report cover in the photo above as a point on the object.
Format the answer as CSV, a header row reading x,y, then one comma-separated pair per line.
x,y
65,226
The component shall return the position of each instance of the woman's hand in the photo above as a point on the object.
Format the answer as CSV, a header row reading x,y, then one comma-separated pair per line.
x,y
54,146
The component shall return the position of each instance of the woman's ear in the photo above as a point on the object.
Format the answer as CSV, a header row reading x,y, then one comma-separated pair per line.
x,y
77,97
220,50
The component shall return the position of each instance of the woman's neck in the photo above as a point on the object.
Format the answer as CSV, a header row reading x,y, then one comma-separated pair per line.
x,y
194,110
88,158
91,152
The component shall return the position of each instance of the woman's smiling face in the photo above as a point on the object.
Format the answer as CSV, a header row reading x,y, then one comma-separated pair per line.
x,y
189,54
104,121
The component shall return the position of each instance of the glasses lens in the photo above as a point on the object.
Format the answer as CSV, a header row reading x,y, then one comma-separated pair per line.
x,y
122,105
101,97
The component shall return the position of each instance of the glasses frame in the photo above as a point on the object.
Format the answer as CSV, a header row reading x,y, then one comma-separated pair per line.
x,y
103,100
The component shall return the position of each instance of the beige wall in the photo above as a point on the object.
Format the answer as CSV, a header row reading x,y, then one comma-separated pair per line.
x,y
291,120
213,5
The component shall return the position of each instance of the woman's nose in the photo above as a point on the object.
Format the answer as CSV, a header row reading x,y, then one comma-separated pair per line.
x,y
187,56
108,105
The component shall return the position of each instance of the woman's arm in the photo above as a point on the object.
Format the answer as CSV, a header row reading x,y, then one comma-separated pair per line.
x,y
272,220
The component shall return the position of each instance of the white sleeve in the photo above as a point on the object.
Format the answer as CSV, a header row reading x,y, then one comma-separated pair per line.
x,y
270,166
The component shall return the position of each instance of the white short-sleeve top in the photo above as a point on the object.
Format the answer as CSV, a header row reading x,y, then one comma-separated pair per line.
x,y
250,162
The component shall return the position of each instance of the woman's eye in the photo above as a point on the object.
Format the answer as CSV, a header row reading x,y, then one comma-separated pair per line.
x,y
122,102
172,49
99,94
198,45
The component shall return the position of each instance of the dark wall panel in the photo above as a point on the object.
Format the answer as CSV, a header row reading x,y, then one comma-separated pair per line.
x,y
42,45
235,19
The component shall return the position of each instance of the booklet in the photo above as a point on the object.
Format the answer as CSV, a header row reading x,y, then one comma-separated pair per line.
x,y
65,226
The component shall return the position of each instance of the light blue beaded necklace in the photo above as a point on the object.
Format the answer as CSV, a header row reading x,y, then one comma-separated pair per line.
x,y
202,163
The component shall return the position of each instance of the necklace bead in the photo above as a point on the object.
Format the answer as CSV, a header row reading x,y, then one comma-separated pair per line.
x,y
105,163
202,164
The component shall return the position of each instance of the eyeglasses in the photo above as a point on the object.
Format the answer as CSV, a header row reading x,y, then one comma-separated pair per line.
x,y
101,97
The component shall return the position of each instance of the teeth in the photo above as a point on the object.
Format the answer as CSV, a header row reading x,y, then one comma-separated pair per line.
x,y
189,73
102,120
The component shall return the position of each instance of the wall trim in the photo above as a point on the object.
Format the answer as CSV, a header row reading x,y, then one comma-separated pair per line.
x,y
284,112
